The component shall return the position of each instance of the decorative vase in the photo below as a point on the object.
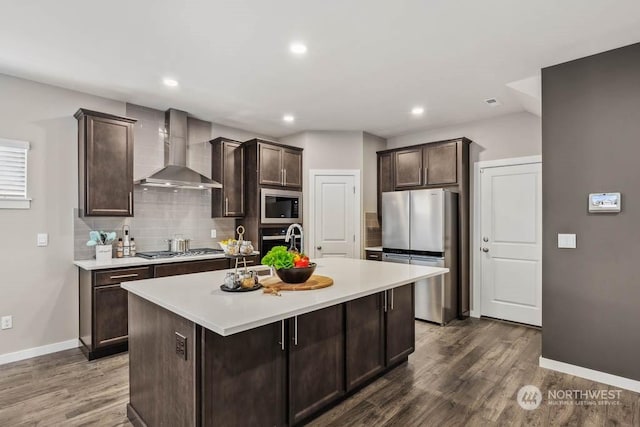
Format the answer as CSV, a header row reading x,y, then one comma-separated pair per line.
x,y
103,253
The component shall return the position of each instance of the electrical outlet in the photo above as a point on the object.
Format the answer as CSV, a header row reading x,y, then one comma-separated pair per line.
x,y
42,239
214,233
7,322
181,345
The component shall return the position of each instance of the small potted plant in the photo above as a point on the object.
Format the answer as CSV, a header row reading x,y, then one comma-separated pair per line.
x,y
102,241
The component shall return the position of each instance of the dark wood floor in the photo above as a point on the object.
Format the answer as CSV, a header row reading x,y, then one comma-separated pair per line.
x,y
467,373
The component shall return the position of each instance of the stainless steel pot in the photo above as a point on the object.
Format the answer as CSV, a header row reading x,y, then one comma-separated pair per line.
x,y
178,244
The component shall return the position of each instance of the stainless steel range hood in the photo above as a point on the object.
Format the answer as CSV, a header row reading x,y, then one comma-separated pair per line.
x,y
175,173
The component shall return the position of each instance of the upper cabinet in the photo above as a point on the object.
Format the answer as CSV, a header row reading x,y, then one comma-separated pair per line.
x,y
227,167
428,165
385,177
105,162
278,165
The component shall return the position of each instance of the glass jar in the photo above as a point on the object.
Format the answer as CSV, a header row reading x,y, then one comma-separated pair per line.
x,y
246,248
233,248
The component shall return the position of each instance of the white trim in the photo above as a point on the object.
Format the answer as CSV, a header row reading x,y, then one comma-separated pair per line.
x,y
311,247
15,204
590,374
38,351
24,145
476,220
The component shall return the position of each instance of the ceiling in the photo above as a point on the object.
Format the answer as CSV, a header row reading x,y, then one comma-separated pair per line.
x,y
368,61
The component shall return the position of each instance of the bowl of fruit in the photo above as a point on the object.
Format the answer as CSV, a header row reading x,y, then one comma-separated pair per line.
x,y
291,267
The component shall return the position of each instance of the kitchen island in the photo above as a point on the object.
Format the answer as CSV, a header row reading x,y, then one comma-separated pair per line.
x,y
201,356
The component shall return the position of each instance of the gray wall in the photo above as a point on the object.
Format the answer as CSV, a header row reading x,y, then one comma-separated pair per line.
x,y
591,143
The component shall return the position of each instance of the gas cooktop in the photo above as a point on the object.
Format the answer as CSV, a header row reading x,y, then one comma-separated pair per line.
x,y
169,254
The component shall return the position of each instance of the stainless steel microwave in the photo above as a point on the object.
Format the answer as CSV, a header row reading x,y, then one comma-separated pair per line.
x,y
280,206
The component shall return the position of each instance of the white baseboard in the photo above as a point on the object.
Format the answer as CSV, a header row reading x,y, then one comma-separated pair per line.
x,y
590,374
38,351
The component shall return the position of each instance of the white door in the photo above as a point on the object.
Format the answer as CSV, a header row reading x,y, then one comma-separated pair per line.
x,y
511,243
334,216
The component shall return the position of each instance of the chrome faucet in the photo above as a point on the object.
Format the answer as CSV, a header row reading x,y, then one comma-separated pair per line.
x,y
291,234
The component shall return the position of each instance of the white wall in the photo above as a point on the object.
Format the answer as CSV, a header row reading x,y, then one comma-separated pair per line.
x,y
512,135
39,285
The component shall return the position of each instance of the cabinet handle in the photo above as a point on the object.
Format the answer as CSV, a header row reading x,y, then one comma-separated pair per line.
x,y
123,276
420,176
373,256
285,177
281,335
391,299
385,301
295,330
130,203
226,206
425,176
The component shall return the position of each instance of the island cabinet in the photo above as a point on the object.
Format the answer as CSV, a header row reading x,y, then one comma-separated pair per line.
x,y
227,168
244,377
380,333
105,162
316,361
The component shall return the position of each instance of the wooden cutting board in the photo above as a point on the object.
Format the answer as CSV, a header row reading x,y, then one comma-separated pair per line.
x,y
274,284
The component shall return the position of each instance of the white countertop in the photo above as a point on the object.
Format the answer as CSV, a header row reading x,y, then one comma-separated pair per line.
x,y
374,248
198,298
92,264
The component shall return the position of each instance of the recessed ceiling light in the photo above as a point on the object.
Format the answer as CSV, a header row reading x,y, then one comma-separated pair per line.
x,y
288,118
170,82
168,184
298,48
417,111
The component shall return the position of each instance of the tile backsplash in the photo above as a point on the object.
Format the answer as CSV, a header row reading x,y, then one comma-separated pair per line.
x,y
161,213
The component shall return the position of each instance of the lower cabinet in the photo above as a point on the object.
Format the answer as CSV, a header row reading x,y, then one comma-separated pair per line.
x,y
103,303
244,377
316,361
380,332
400,323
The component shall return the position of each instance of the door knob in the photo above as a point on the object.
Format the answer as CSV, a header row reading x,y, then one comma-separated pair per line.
x,y
319,248
485,239
485,249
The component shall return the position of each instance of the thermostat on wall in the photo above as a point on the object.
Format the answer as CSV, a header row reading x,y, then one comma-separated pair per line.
x,y
604,202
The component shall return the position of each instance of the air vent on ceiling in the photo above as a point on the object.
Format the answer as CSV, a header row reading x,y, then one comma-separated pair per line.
x,y
492,102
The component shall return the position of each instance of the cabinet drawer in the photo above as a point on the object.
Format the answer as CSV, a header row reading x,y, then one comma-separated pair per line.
x,y
174,269
374,255
110,277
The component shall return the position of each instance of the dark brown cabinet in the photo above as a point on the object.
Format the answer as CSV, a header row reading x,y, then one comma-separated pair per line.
x,y
428,165
254,360
385,177
175,269
279,165
316,361
400,323
408,168
103,309
365,340
373,255
441,164
227,167
105,161
103,303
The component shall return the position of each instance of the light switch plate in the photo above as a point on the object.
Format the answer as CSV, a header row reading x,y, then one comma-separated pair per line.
x,y
566,241
43,239
214,233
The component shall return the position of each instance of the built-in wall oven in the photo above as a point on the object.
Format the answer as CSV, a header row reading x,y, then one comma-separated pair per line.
x,y
270,237
280,206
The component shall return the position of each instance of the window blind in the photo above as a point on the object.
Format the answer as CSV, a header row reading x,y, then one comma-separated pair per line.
x,y
13,173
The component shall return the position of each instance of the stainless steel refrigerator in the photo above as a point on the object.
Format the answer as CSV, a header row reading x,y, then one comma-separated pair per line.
x,y
421,227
